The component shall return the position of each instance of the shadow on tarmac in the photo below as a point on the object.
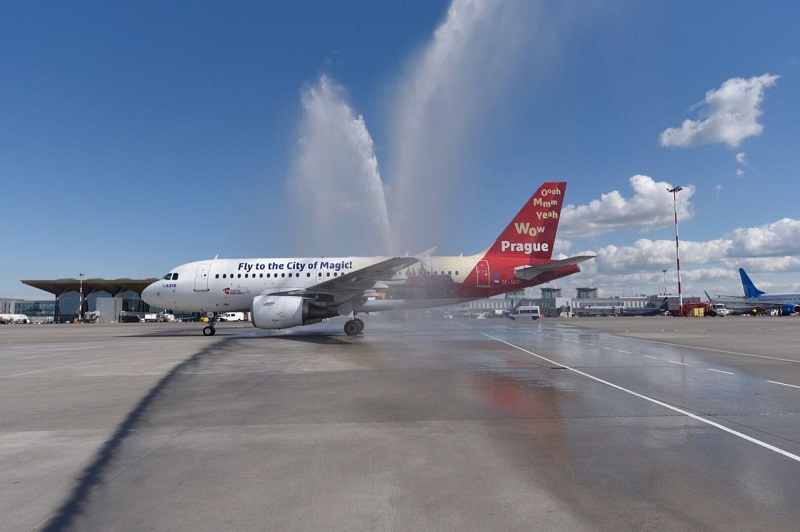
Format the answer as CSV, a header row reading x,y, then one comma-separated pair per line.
x,y
99,470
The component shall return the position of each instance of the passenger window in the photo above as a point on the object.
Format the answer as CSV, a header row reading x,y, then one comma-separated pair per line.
x,y
239,275
308,274
261,275
224,275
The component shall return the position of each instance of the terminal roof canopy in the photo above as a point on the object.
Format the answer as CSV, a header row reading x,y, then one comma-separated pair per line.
x,y
112,286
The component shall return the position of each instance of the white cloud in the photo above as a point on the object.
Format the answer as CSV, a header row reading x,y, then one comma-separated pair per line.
x,y
741,160
650,207
772,240
731,115
709,265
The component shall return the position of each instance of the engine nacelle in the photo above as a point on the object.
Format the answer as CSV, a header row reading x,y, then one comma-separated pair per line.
x,y
788,310
282,312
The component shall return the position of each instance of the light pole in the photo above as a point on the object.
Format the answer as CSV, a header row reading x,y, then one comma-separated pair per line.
x,y
664,271
80,308
674,192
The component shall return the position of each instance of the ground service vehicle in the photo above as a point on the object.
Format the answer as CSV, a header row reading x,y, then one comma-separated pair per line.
x,y
526,312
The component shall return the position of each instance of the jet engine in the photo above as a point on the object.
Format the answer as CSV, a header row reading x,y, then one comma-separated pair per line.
x,y
788,310
282,312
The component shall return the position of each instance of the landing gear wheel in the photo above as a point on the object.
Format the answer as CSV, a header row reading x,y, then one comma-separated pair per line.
x,y
360,324
351,328
209,331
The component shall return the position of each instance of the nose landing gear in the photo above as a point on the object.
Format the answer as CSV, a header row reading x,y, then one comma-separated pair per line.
x,y
209,329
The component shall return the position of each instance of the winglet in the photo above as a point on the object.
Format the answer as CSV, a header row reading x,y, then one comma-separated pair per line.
x,y
425,257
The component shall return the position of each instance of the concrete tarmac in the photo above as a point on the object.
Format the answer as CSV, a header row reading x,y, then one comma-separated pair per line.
x,y
583,424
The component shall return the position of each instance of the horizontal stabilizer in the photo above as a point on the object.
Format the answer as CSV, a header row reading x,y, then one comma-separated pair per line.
x,y
529,272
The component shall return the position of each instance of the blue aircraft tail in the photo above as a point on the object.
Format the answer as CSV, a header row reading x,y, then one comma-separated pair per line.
x,y
750,289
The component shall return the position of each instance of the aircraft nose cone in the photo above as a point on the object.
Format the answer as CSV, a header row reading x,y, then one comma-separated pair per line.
x,y
150,295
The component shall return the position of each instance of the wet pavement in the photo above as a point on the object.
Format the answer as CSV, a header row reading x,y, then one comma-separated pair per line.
x,y
449,425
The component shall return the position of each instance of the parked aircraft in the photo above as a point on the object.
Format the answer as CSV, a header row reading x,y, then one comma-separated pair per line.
x,y
647,311
14,318
288,292
787,303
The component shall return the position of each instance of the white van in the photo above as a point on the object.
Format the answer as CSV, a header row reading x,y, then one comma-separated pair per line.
x,y
231,316
525,311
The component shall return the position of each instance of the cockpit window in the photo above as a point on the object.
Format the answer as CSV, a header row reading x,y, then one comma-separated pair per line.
x,y
171,277
174,276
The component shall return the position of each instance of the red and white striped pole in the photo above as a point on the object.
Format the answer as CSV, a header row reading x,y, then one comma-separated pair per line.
x,y
677,245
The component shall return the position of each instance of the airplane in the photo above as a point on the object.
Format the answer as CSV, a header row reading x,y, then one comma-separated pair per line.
x,y
289,292
787,303
13,318
647,311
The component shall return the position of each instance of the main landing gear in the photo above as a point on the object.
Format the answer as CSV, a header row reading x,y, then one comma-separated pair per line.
x,y
353,327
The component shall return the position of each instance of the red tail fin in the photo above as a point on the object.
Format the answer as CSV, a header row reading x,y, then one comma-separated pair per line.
x,y
531,234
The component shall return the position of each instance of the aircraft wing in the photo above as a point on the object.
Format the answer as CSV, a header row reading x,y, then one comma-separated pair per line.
x,y
357,282
529,272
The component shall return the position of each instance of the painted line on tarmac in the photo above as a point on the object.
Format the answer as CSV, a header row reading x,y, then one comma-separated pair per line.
x,y
784,384
676,362
720,371
719,350
701,419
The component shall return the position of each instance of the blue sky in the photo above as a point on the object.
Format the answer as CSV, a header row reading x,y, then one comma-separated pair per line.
x,y
135,136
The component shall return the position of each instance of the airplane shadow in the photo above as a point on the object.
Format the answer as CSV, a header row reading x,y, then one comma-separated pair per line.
x,y
96,473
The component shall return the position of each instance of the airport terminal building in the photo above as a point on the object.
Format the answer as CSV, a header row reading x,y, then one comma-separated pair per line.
x,y
109,298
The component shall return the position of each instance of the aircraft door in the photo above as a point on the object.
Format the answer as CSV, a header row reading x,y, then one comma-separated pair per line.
x,y
201,279
482,270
